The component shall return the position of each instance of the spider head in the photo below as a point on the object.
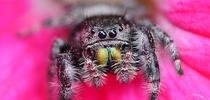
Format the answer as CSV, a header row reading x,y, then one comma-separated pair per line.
x,y
105,32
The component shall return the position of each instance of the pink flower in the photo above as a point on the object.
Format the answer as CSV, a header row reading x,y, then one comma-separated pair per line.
x,y
24,61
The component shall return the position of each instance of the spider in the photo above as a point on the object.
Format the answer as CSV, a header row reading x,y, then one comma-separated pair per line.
x,y
108,39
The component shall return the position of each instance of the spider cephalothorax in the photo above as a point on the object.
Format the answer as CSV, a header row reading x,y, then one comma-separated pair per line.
x,y
105,43
110,43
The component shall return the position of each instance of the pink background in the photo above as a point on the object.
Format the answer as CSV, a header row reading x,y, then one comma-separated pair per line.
x,y
24,61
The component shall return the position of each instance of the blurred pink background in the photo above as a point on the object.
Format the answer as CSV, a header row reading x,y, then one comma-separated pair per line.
x,y
24,61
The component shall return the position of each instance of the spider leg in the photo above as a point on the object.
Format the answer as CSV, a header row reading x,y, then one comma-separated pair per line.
x,y
66,71
142,45
67,19
153,74
166,40
66,75
125,69
71,18
94,75
59,46
56,49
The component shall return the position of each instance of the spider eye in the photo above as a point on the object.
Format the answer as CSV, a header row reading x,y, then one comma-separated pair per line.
x,y
102,35
120,28
112,34
92,31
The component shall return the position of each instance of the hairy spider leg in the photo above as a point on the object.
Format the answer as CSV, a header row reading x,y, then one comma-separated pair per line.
x,y
66,71
167,42
141,44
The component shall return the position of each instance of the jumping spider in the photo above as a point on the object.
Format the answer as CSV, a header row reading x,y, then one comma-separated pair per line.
x,y
109,39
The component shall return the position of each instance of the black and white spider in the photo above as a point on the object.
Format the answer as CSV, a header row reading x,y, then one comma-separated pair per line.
x,y
108,39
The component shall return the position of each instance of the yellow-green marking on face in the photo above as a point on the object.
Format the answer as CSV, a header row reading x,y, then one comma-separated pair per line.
x,y
115,54
102,56
107,54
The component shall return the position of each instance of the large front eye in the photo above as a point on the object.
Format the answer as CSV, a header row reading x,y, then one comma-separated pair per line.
x,y
112,34
102,34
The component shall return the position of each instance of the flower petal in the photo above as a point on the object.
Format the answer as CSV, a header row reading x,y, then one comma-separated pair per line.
x,y
194,55
191,15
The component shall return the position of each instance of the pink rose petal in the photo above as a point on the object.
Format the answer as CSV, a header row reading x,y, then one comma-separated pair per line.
x,y
193,49
191,15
